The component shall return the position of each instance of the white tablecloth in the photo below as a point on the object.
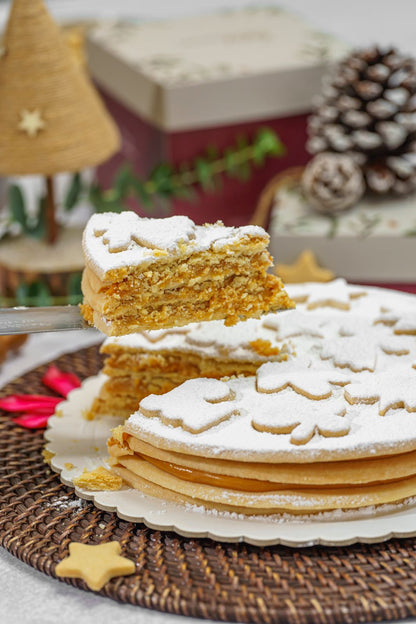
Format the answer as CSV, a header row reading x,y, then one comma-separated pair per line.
x,y
27,596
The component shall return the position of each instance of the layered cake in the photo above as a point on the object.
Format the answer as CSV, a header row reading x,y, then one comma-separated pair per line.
x,y
154,273
333,426
156,361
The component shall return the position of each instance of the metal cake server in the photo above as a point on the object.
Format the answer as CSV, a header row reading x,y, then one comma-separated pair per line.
x,y
34,320
23,320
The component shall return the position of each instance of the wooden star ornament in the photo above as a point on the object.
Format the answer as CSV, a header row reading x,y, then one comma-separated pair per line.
x,y
304,269
31,122
96,565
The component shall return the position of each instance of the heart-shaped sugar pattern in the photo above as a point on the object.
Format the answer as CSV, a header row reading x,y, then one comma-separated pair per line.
x,y
162,234
195,406
391,390
314,384
302,418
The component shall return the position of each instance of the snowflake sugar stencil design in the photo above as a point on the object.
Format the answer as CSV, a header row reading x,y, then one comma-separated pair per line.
x,y
195,406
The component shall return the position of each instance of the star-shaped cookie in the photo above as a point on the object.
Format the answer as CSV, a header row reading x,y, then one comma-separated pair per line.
x,y
304,269
95,564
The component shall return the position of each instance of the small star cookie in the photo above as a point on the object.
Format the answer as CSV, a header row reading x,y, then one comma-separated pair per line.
x,y
95,564
391,389
302,418
304,269
196,405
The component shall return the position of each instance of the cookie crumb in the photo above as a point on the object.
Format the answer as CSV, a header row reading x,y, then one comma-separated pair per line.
x,y
98,479
47,456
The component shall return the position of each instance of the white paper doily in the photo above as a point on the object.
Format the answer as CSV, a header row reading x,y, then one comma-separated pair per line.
x,y
78,443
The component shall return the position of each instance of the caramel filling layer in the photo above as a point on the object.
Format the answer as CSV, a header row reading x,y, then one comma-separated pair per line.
x,y
229,482
208,478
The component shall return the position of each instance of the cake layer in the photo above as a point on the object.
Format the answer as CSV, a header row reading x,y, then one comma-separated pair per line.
x,y
337,473
148,478
154,273
233,300
157,361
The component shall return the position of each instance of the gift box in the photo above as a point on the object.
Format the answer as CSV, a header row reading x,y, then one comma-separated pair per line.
x,y
178,87
372,243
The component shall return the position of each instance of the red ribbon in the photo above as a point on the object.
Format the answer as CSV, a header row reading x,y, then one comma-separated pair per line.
x,y
38,408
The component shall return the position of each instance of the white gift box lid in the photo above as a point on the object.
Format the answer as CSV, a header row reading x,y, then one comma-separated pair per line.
x,y
214,69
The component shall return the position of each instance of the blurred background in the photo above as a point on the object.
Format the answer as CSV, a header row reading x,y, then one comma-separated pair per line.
x,y
213,108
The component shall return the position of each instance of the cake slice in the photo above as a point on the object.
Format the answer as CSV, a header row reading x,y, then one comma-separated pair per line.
x,y
144,274
154,362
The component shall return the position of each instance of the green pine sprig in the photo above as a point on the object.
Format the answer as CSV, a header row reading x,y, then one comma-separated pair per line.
x,y
164,183
36,227
167,183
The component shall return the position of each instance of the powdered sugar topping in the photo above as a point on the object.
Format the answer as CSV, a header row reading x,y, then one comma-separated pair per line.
x,y
115,240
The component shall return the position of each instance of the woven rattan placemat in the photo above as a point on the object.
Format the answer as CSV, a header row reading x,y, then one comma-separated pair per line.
x,y
236,582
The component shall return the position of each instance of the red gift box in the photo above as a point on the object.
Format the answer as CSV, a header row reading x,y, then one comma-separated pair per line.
x,y
175,88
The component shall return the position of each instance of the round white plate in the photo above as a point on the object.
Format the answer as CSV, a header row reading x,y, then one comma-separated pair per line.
x,y
78,443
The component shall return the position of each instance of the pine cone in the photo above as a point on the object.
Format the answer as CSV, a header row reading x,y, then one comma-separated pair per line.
x,y
368,110
332,182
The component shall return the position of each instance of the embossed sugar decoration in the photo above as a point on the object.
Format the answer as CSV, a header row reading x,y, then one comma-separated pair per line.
x,y
130,229
195,406
304,403
367,110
